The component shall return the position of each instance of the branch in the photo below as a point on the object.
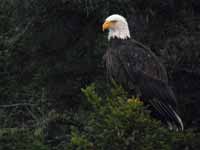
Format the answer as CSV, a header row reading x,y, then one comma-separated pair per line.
x,y
16,105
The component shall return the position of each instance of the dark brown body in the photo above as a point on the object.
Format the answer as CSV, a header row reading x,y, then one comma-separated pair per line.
x,y
139,71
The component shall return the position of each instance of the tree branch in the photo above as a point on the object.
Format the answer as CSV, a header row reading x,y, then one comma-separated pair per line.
x,y
16,105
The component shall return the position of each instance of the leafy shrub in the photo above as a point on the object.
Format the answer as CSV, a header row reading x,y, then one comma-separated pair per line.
x,y
115,123
111,121
22,139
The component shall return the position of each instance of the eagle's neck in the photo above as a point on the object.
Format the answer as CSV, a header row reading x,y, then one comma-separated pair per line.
x,y
120,32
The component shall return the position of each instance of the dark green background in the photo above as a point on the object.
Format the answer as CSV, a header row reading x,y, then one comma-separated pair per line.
x,y
50,49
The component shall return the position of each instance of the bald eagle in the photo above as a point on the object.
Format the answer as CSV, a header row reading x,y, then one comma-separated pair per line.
x,y
137,68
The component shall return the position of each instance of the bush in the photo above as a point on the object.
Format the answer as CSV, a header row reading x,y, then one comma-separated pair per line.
x,y
115,123
111,121
21,139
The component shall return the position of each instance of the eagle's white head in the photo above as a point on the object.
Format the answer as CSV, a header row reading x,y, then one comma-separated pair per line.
x,y
117,26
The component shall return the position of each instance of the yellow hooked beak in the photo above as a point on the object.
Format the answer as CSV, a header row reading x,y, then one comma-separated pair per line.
x,y
106,25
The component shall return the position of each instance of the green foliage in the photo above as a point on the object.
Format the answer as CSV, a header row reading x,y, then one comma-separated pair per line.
x,y
49,49
79,142
21,139
109,122
120,124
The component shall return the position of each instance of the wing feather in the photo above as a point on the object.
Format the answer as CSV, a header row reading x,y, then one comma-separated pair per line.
x,y
153,90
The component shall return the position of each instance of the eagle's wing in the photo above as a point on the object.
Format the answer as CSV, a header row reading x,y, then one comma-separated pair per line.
x,y
154,91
